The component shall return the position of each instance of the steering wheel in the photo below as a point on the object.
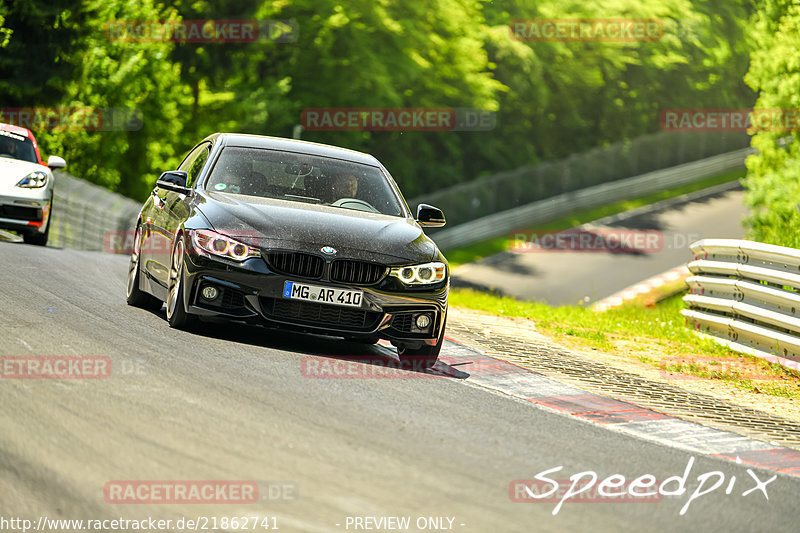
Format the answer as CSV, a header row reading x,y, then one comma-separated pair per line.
x,y
354,203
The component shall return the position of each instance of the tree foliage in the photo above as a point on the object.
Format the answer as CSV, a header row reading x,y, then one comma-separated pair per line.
x,y
773,187
551,98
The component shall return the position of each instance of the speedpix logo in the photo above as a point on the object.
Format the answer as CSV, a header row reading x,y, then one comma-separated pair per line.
x,y
588,487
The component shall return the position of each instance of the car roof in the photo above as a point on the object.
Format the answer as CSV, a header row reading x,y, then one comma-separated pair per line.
x,y
293,145
16,129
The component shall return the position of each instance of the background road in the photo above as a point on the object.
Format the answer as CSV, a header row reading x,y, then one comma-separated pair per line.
x,y
231,402
562,278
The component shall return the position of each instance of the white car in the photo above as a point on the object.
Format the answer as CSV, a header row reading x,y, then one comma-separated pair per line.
x,y
26,185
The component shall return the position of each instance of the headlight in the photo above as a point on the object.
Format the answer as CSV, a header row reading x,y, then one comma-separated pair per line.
x,y
215,243
34,180
425,274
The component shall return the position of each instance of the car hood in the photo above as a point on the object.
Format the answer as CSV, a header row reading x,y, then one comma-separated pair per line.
x,y
13,170
279,224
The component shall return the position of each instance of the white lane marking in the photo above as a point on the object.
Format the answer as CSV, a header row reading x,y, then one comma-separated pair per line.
x,y
615,300
28,346
671,432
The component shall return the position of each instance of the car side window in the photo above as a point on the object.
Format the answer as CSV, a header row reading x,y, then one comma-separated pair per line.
x,y
194,162
197,166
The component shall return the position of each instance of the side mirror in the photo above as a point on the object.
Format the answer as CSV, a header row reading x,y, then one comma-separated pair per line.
x,y
55,162
174,180
429,216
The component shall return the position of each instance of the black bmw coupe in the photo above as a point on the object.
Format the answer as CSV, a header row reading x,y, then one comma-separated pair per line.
x,y
295,235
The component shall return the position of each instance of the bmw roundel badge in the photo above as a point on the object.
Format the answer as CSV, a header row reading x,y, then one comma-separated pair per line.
x,y
329,250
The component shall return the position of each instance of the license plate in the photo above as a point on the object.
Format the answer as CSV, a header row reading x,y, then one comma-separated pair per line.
x,y
325,295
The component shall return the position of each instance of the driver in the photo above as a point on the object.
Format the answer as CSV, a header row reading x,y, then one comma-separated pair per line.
x,y
345,186
231,180
235,183
8,146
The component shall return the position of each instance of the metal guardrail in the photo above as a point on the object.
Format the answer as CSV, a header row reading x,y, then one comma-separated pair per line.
x,y
506,190
84,214
746,295
525,216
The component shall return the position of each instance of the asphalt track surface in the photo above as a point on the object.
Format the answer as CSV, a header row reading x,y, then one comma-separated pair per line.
x,y
232,403
583,277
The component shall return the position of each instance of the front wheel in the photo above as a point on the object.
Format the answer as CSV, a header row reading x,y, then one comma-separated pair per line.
x,y
176,311
134,295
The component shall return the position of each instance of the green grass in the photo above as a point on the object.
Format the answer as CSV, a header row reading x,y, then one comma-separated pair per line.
x,y
777,381
662,320
658,326
474,252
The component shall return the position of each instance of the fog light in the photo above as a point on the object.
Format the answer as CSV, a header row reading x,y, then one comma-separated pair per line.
x,y
209,293
423,321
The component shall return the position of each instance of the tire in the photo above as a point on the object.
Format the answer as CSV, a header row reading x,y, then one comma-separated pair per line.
x,y
423,357
177,316
136,296
36,238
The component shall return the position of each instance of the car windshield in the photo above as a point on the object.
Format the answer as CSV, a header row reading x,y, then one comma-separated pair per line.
x,y
15,146
303,178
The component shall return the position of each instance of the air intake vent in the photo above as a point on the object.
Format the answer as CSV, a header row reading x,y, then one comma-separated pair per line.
x,y
403,322
316,314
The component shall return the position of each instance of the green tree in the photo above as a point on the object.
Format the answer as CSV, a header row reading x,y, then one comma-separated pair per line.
x,y
773,188
567,97
5,33
551,98
39,38
122,79
387,54
359,54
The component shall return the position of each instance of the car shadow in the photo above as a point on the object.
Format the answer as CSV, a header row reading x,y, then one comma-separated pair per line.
x,y
345,359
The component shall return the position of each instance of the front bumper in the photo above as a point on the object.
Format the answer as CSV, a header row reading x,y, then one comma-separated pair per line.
x,y
25,212
252,292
